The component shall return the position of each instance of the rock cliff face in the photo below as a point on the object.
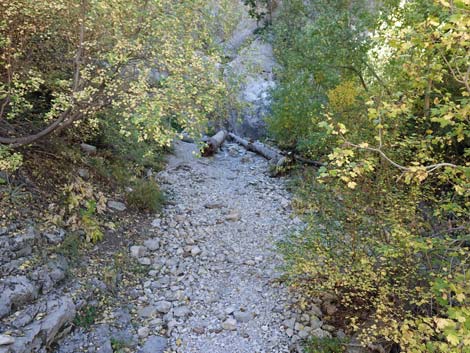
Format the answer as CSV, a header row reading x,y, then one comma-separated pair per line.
x,y
251,74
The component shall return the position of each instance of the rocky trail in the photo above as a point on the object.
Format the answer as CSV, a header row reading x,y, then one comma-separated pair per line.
x,y
204,276
209,276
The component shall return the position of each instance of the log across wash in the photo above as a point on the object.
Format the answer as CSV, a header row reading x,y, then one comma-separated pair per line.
x,y
273,155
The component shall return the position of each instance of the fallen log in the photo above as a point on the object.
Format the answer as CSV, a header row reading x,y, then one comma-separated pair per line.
x,y
307,161
213,144
274,156
267,152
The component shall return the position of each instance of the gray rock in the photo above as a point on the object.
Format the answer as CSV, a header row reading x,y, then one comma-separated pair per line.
x,y
341,334
163,306
233,151
242,316
316,310
213,205
14,292
60,312
255,66
83,173
156,223
181,311
315,322
154,344
195,250
143,332
321,333
229,324
138,251
233,216
329,328
117,205
145,261
147,311
51,274
88,148
29,237
229,310
6,340
152,244
55,236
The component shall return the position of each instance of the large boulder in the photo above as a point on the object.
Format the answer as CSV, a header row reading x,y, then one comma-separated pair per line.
x,y
42,333
253,71
15,292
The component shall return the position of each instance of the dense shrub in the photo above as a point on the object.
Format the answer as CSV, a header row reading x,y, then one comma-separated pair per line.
x,y
389,229
63,64
146,195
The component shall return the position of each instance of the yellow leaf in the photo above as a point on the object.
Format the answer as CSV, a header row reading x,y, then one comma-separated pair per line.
x,y
453,339
442,323
352,185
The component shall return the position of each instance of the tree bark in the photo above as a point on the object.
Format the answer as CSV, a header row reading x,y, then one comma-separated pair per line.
x,y
271,154
214,143
267,152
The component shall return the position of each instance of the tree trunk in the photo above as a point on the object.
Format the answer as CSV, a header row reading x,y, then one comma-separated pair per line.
x,y
214,143
267,152
274,156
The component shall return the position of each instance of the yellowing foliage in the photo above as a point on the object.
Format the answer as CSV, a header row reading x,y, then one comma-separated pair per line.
x,y
154,62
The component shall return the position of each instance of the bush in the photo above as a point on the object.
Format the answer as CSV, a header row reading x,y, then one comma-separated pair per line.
x,y
388,226
325,345
146,195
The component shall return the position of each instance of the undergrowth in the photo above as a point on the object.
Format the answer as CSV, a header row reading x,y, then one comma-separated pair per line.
x,y
146,195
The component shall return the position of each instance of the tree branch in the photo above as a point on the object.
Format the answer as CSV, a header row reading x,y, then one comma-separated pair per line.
x,y
429,168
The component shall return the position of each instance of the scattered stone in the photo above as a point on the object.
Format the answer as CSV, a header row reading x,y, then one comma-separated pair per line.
x,y
329,308
195,250
15,292
315,322
229,324
316,310
290,323
245,159
319,333
138,251
143,332
6,340
84,173
329,328
147,311
163,306
43,332
341,334
213,205
156,223
199,330
233,151
117,205
242,316
181,311
152,244
55,237
145,261
91,150
229,310
233,216
154,344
